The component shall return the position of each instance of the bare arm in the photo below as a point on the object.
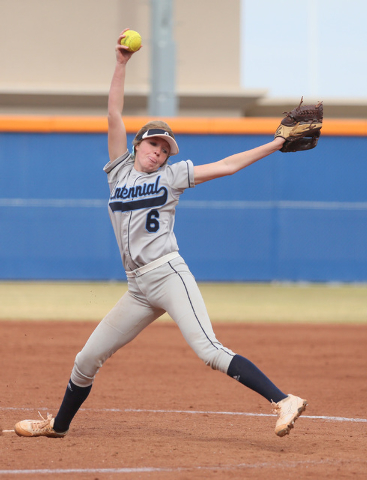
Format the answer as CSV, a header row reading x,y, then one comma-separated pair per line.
x,y
235,163
117,141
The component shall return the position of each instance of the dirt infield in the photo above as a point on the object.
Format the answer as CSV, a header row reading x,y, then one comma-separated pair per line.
x,y
157,412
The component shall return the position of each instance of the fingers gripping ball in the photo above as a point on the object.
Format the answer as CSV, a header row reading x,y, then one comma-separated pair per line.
x,y
132,40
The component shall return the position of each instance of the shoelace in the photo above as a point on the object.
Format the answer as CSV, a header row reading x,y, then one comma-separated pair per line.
x,y
38,425
276,408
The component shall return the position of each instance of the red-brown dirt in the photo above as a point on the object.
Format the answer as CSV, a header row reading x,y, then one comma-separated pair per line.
x,y
119,434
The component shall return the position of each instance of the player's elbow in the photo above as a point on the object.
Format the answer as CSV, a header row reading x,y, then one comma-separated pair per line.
x,y
113,117
228,168
223,169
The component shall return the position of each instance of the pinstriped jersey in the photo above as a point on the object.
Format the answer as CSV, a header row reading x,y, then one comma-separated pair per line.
x,y
142,208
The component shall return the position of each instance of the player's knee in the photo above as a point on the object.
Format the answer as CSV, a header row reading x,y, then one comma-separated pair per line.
x,y
218,359
85,369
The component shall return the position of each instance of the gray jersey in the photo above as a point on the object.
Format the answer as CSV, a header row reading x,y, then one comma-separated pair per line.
x,y
142,208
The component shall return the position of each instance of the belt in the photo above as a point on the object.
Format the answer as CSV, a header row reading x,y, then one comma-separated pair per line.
x,y
152,265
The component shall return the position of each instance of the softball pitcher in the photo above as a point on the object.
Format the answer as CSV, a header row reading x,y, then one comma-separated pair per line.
x,y
144,192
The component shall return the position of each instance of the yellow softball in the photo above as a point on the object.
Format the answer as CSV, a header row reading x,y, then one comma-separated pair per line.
x,y
132,40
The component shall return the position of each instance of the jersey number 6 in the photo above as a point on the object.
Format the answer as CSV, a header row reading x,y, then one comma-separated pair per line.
x,y
152,224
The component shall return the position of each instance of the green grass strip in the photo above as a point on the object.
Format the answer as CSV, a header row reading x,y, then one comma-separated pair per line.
x,y
226,302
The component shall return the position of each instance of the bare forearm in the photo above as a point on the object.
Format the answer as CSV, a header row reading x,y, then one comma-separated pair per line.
x,y
234,163
237,162
117,142
117,91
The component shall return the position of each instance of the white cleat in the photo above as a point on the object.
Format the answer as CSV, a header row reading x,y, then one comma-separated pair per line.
x,y
288,410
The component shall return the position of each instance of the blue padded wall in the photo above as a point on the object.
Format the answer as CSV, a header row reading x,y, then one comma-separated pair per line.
x,y
289,217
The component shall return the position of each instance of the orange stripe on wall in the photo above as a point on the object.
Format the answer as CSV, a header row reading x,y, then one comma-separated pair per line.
x,y
195,125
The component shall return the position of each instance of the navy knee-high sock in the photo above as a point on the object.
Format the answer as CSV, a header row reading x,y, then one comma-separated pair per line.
x,y
73,399
249,375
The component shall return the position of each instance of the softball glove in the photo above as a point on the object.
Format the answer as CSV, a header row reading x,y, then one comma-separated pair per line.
x,y
301,127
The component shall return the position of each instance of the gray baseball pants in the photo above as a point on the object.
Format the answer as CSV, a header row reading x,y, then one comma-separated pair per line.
x,y
169,288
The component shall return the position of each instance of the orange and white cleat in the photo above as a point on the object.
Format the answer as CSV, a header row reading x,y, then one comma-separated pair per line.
x,y
38,428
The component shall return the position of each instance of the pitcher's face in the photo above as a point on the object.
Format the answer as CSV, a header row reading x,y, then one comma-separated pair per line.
x,y
151,154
